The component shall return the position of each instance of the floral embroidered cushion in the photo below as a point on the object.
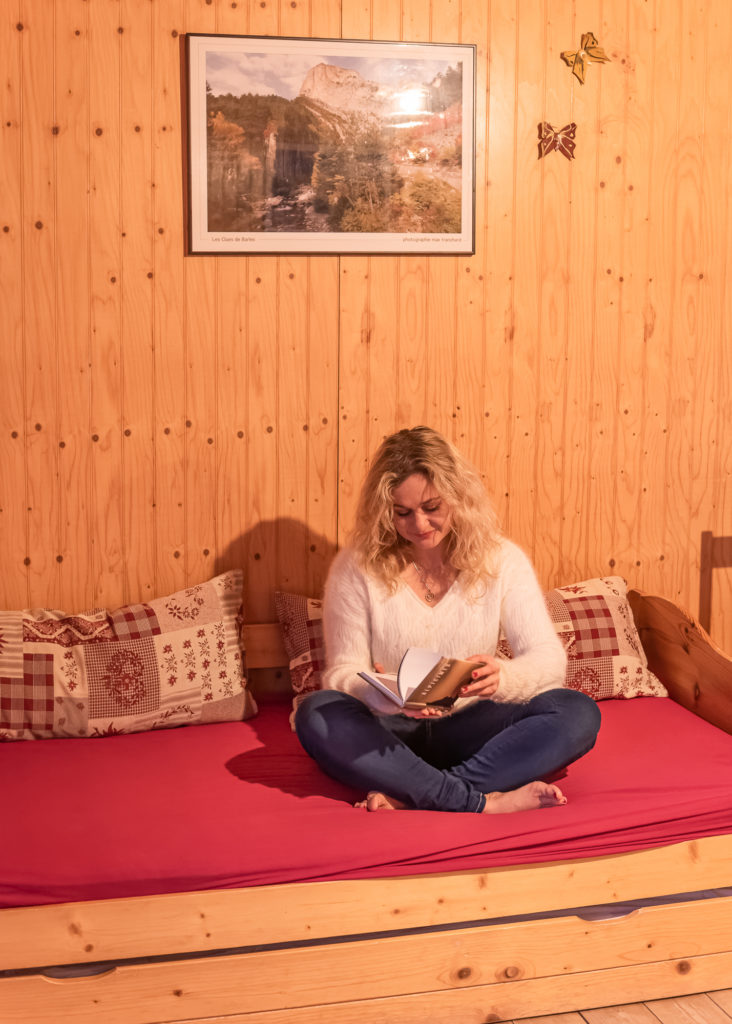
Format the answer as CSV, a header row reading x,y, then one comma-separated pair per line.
x,y
173,661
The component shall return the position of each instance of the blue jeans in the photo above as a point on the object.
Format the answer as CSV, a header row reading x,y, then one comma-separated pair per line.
x,y
449,763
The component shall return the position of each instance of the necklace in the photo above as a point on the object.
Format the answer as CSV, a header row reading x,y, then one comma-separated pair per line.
x,y
429,594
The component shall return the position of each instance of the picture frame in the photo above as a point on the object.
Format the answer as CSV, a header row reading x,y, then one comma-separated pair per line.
x,y
329,146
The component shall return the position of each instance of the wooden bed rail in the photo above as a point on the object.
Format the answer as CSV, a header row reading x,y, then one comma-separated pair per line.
x,y
696,673
263,646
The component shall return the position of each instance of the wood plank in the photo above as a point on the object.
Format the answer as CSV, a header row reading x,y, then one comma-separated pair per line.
x,y
201,301
117,929
442,370
13,498
233,500
136,338
72,145
608,286
438,962
629,35
711,434
321,514
723,999
497,77
39,307
530,75
640,38
262,438
632,1013
168,301
577,529
463,407
551,336
355,446
107,541
693,1009
684,309
720,395
293,380
381,351
658,320
475,1004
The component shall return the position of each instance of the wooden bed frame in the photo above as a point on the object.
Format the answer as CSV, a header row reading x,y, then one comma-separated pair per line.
x,y
415,950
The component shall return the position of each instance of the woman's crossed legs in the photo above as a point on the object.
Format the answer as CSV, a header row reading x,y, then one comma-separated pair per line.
x,y
487,757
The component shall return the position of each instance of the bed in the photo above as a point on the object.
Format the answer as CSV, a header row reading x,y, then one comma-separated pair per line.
x,y
342,916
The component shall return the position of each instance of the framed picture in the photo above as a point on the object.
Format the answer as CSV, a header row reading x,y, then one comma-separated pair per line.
x,y
329,146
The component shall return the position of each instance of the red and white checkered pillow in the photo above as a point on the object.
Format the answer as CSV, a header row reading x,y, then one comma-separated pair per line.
x,y
301,619
605,657
174,661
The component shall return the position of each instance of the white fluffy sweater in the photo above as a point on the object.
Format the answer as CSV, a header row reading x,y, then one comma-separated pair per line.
x,y
364,624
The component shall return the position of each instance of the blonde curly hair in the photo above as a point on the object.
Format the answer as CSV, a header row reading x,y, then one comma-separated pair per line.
x,y
474,532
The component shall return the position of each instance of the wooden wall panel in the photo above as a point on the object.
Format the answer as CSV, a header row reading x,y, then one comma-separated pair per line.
x,y
106,542
169,303
658,318
578,537
526,269
39,302
171,416
468,380
71,137
13,497
496,239
136,329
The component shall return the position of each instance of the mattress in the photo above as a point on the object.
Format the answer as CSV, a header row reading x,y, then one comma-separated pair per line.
x,y
240,804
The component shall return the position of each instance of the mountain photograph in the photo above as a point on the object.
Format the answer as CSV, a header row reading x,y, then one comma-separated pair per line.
x,y
369,147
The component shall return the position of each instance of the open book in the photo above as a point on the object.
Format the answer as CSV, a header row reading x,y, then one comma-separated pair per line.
x,y
424,677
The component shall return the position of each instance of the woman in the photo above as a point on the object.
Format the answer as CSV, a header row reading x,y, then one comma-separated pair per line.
x,y
427,567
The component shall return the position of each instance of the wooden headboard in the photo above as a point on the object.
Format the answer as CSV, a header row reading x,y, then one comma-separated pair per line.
x,y
696,673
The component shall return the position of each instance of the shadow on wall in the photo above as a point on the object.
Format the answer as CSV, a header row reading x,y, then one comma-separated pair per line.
x,y
278,554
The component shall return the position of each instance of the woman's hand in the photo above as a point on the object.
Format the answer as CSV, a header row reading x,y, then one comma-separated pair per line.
x,y
486,677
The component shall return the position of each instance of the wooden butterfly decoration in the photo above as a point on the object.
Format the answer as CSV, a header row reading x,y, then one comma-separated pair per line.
x,y
588,53
561,139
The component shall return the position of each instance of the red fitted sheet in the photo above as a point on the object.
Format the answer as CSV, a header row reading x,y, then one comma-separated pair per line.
x,y
238,804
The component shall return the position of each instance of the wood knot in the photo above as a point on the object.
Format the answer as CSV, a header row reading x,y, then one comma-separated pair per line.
x,y
683,966
464,973
512,972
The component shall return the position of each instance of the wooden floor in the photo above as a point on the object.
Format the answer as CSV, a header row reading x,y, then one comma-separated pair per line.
x,y
708,1008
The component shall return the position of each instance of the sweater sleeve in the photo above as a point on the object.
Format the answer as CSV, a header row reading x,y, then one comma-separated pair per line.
x,y
539,661
347,629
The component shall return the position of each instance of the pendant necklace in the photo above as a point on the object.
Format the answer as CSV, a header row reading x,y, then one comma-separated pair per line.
x,y
429,594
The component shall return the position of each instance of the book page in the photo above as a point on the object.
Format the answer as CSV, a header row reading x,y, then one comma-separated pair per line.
x,y
385,682
417,663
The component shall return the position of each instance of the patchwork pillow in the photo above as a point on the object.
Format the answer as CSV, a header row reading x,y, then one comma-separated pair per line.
x,y
301,619
605,657
173,661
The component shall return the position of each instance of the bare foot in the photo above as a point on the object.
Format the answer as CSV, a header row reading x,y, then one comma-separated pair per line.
x,y
527,798
380,802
